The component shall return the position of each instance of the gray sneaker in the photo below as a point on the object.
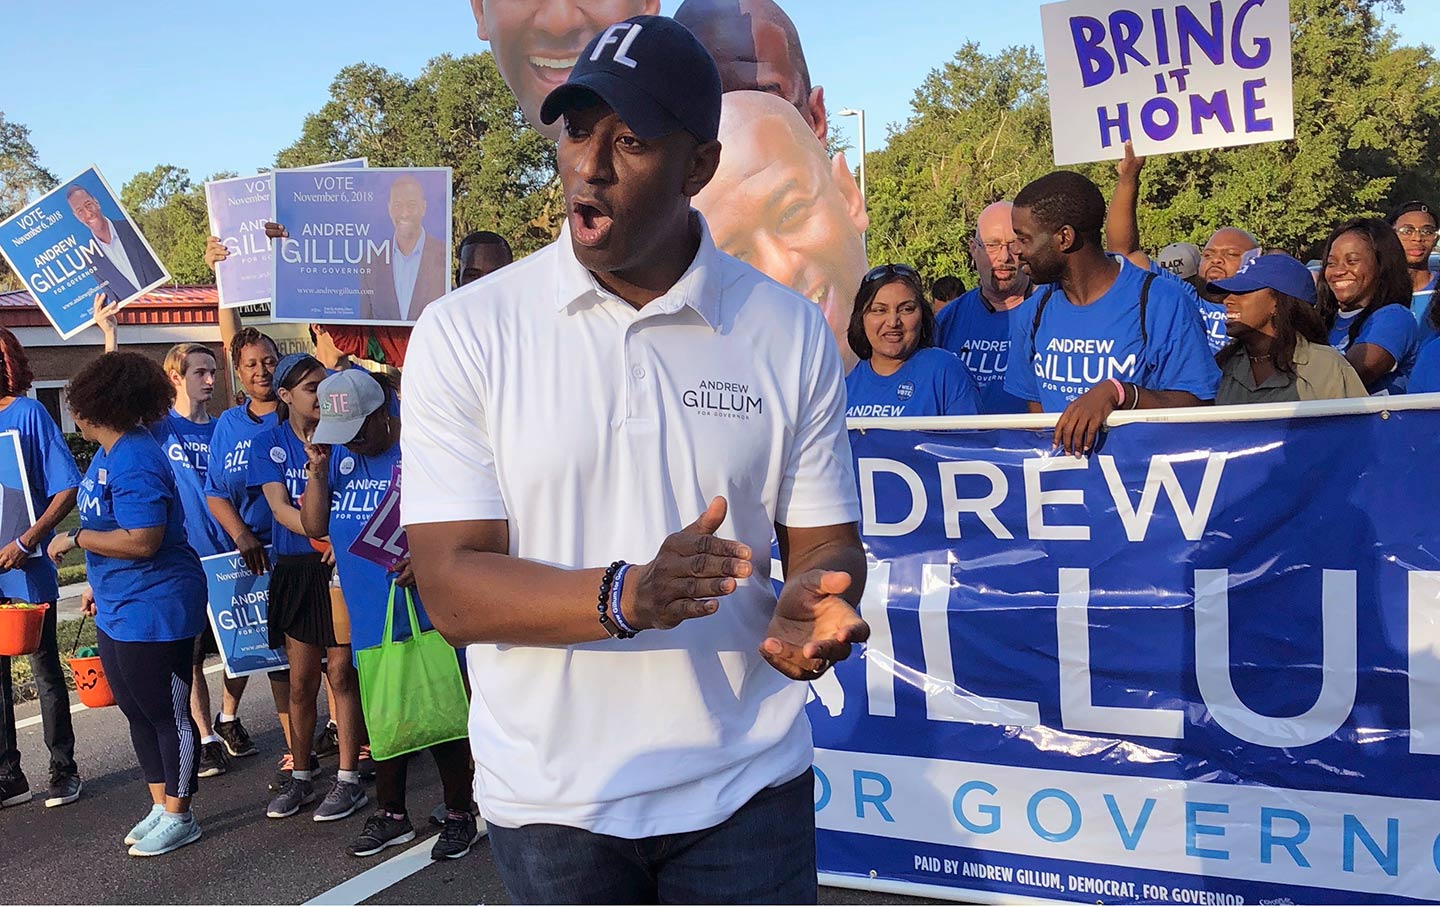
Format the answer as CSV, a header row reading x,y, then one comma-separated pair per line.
x,y
293,795
344,798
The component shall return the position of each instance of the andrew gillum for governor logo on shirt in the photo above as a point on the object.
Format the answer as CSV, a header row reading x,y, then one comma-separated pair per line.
x,y
723,399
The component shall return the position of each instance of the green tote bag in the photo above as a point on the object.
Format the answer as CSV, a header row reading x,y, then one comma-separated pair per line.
x,y
411,691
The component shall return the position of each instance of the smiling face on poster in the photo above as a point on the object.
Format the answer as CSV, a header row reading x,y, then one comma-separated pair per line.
x,y
239,208
1177,76
536,42
365,246
74,242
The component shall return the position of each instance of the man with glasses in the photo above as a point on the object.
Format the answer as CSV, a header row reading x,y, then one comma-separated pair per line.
x,y
976,327
1416,226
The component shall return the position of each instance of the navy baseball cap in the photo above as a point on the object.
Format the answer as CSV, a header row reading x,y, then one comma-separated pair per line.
x,y
1276,271
653,72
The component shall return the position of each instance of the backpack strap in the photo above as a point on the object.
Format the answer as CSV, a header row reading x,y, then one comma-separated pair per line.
x,y
1039,312
1145,302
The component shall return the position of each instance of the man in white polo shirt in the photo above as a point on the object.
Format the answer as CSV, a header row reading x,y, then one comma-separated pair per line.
x,y
630,393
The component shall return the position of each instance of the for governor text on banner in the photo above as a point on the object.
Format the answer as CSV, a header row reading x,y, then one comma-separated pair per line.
x,y
1173,76
1201,666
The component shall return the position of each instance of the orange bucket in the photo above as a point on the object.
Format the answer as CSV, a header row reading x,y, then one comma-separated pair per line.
x,y
90,683
20,627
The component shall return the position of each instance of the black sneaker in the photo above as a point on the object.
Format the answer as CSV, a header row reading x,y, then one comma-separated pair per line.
x,y
456,838
14,789
282,770
382,831
236,739
327,742
64,789
365,765
213,760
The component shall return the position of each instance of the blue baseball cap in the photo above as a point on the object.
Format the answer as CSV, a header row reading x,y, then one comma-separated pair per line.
x,y
653,72
1276,271
287,365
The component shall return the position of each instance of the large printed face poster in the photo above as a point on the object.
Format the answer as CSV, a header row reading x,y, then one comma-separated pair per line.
x,y
365,246
1169,77
810,237
239,208
75,242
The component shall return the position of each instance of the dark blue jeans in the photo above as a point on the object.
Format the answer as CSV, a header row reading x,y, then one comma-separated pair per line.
x,y
54,706
763,854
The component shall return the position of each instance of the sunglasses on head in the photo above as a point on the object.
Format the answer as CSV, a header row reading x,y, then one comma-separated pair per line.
x,y
885,272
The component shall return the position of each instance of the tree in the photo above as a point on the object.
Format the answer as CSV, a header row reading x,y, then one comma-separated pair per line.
x,y
22,179
169,210
457,113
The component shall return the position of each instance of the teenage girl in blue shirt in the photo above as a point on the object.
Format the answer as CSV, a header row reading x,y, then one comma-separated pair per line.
x,y
147,586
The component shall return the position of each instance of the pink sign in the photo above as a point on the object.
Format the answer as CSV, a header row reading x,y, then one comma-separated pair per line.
x,y
383,539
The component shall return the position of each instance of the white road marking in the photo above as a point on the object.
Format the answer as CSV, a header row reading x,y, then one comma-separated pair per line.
x,y
82,707
378,878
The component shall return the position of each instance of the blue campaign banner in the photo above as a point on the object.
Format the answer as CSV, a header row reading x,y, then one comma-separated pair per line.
x,y
238,608
1201,666
365,246
74,243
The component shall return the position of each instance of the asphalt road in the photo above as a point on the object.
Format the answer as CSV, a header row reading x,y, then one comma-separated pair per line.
x,y
74,854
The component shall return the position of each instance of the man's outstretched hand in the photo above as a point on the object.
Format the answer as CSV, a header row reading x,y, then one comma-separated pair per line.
x,y
813,626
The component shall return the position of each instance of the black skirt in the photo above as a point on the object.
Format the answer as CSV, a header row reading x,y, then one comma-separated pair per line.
x,y
300,601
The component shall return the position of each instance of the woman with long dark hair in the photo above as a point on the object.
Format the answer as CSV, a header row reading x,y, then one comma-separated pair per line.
x,y
901,372
26,575
300,620
147,586
1364,296
1279,349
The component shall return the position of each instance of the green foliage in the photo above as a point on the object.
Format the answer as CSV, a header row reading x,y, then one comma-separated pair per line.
x,y
457,113
169,208
83,451
22,179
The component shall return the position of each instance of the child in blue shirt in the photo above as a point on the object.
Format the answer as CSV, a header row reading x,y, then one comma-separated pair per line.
x,y
347,484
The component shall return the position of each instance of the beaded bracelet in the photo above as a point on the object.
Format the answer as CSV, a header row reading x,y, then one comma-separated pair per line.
x,y
603,606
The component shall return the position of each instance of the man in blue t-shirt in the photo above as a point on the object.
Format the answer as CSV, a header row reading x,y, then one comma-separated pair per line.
x,y
976,327
185,434
1100,334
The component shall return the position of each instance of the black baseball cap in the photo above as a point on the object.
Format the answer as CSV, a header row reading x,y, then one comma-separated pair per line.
x,y
653,72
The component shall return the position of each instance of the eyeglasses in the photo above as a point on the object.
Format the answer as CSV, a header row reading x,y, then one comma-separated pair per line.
x,y
996,245
1408,230
885,272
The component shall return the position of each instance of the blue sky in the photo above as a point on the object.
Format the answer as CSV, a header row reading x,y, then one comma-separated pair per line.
x,y
154,82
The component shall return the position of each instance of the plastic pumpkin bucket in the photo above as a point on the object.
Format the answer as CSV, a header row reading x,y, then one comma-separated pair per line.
x,y
90,683
20,627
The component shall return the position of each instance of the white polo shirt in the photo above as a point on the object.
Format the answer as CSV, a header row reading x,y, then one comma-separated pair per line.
x,y
595,430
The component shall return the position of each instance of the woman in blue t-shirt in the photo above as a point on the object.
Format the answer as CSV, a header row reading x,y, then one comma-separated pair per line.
x,y
147,585
901,372
26,575
301,620
1364,296
347,486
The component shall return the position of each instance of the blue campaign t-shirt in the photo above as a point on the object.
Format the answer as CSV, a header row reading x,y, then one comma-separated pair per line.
x,y
1212,314
981,338
49,470
357,485
187,447
1425,376
278,455
1077,347
153,599
932,382
229,475
1393,329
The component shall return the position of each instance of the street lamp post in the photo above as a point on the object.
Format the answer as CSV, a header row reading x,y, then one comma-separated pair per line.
x,y
860,115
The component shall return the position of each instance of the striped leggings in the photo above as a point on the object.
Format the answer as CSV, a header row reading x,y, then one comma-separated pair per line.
x,y
151,683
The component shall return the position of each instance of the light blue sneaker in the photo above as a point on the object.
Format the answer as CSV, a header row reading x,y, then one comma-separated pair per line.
x,y
143,827
170,833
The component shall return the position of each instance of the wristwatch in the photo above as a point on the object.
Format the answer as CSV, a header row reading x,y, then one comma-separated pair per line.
x,y
74,535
